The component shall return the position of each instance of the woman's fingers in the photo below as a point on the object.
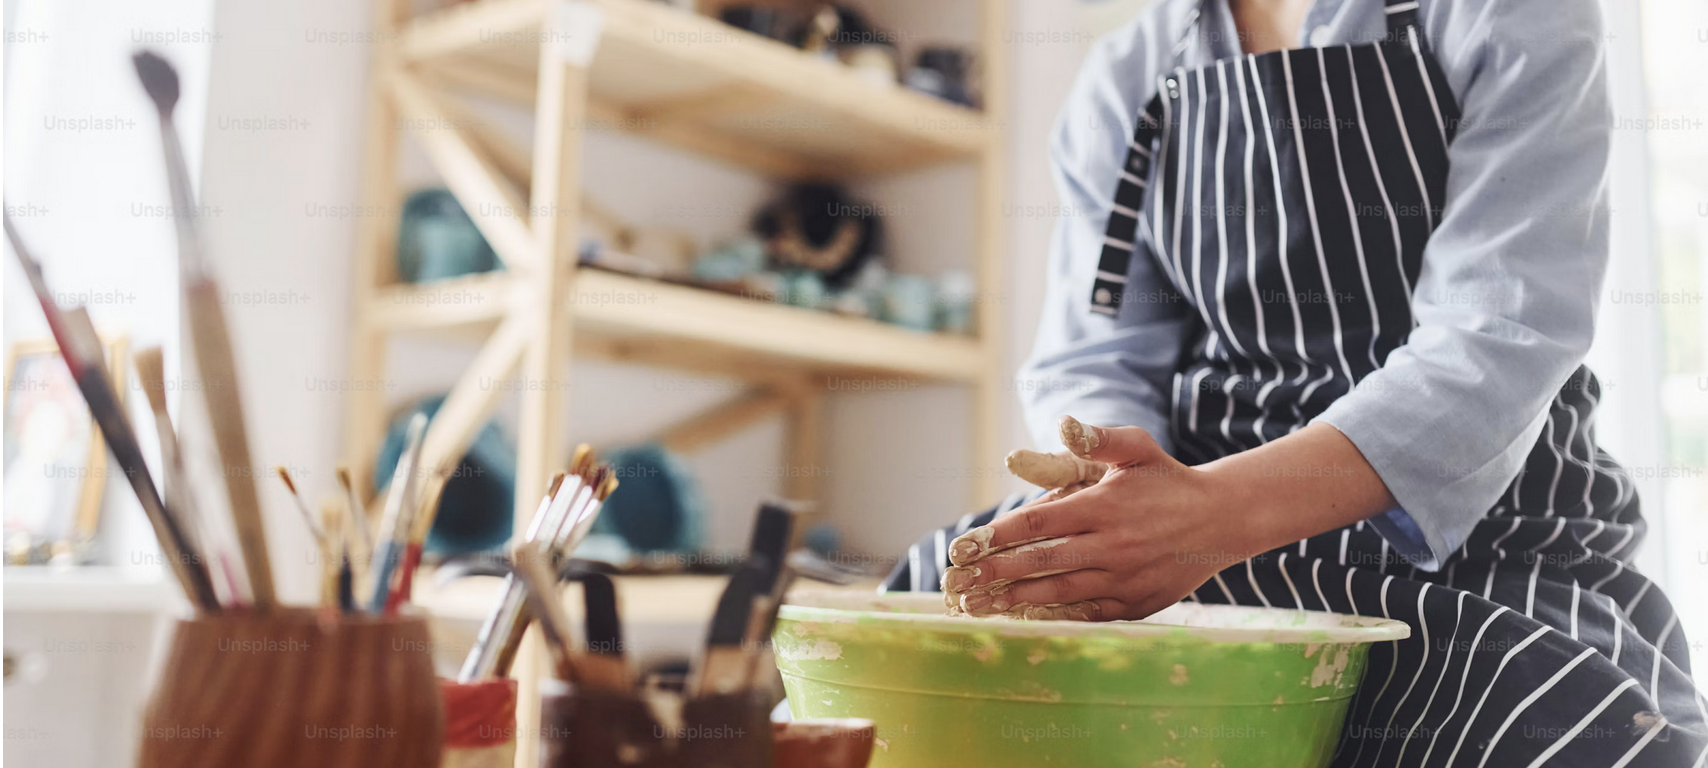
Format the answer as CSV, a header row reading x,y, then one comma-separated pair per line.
x,y
1117,446
1023,562
1026,525
1060,589
1054,470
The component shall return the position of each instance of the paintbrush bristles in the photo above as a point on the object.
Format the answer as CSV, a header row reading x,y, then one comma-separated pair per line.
x,y
582,462
302,506
158,78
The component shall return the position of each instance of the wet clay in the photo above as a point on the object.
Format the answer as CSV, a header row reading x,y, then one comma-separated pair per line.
x,y
1054,470
974,545
1084,610
1078,438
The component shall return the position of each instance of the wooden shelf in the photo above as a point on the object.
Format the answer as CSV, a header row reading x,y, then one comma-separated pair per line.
x,y
682,80
702,85
632,316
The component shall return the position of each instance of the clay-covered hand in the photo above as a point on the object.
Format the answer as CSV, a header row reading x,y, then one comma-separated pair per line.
x,y
1061,474
1143,537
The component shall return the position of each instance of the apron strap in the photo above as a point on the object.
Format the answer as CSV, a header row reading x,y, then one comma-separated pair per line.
x,y
1189,29
1402,19
1122,235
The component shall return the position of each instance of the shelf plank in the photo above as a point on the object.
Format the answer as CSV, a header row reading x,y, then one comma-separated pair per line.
x,y
462,301
696,318
692,81
697,325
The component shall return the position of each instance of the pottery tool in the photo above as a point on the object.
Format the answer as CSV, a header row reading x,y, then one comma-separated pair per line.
x,y
602,665
84,355
768,548
394,525
773,530
210,337
319,530
508,610
724,667
530,562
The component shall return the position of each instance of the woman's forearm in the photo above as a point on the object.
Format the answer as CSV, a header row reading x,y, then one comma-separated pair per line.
x,y
1309,482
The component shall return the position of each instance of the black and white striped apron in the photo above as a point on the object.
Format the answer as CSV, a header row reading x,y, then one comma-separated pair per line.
x,y
1288,197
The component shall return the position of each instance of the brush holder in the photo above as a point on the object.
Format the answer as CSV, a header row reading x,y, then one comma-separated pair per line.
x,y
582,728
295,688
480,723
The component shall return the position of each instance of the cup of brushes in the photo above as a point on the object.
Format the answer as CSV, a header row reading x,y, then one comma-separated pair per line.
x,y
595,712
248,681
480,703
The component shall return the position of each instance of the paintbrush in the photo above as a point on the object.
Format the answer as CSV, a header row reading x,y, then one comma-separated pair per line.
x,y
319,531
151,376
602,665
84,356
420,523
506,640
554,538
725,665
210,337
150,369
346,574
530,562
394,525
357,520
332,562
508,608
601,486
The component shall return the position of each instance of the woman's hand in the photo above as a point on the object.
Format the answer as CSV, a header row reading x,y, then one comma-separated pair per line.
x,y
1152,530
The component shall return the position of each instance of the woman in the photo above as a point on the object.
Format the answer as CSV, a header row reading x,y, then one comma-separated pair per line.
x,y
1351,286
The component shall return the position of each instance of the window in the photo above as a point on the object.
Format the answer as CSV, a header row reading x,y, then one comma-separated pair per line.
x,y
1674,43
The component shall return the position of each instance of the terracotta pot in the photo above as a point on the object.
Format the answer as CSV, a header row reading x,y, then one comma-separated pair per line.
x,y
480,723
844,743
582,728
296,687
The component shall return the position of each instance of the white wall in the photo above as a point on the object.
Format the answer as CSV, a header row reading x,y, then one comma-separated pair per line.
x,y
85,184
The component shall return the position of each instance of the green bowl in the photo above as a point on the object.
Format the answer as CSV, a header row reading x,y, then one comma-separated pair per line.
x,y
1194,685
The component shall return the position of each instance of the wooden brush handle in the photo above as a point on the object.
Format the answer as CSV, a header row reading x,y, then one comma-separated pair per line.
x,y
212,342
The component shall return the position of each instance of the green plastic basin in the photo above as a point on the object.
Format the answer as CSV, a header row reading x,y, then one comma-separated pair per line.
x,y
1194,685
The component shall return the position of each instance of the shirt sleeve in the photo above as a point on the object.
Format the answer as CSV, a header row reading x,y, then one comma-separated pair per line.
x,y
1506,300
1104,370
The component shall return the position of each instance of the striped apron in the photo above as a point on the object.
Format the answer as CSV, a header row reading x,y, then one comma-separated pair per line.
x,y
1288,197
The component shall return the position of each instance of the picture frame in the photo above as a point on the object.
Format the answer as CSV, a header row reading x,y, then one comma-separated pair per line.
x,y
55,460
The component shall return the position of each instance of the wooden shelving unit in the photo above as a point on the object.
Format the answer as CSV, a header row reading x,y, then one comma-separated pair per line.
x,y
690,82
